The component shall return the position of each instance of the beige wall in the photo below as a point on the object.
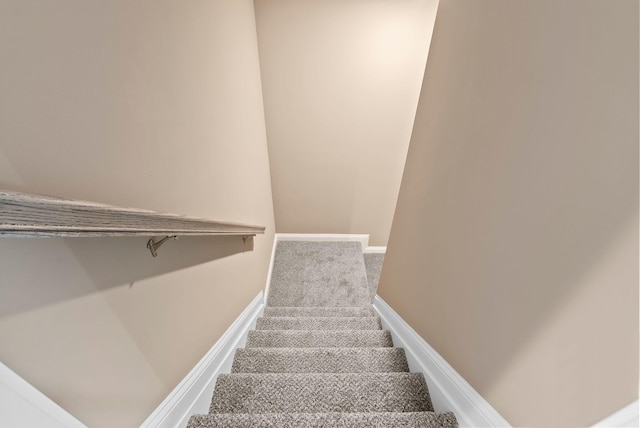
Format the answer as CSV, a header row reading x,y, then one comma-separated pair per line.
x,y
514,247
341,83
149,104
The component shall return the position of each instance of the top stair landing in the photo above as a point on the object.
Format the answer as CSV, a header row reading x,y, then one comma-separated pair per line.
x,y
318,274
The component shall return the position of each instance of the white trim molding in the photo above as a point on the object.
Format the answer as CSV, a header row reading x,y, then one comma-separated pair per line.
x,y
375,250
625,417
23,405
449,391
193,394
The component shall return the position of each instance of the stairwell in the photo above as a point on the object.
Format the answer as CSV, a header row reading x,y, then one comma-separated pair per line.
x,y
318,356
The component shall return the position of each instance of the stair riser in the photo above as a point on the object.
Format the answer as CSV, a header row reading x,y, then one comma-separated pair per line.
x,y
319,339
370,392
335,323
327,360
270,311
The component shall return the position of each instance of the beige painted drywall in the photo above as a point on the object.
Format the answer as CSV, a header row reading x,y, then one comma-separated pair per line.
x,y
514,247
149,104
341,82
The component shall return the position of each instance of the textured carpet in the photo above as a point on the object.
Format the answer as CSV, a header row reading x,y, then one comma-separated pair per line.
x,y
318,274
318,339
373,265
320,360
318,356
325,420
318,312
301,323
320,392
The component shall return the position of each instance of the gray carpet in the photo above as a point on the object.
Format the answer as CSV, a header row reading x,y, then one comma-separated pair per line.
x,y
320,360
302,323
325,420
318,274
318,339
373,265
361,311
318,356
320,392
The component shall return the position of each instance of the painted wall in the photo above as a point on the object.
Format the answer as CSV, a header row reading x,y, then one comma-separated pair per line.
x,y
341,82
514,247
148,104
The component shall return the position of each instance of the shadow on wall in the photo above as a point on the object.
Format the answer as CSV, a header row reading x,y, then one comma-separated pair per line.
x,y
42,271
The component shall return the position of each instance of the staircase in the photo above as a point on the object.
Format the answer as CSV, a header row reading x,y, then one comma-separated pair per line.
x,y
319,357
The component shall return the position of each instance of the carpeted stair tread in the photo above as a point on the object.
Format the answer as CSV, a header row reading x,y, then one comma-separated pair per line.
x,y
327,392
318,339
303,323
318,356
318,274
325,420
357,311
319,360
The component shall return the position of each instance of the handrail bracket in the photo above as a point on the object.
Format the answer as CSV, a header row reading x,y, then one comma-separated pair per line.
x,y
153,245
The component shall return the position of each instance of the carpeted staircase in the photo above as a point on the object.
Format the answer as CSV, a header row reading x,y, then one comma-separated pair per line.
x,y
319,356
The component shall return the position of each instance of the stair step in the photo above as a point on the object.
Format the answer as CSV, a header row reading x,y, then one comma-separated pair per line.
x,y
327,392
284,311
318,339
319,360
303,323
325,420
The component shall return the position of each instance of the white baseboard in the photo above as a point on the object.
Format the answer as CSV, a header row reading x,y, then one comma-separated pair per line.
x,y
23,405
448,390
375,250
193,394
625,417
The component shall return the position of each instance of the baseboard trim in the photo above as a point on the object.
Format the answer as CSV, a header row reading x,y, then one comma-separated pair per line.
x,y
449,391
193,394
375,250
625,417
21,404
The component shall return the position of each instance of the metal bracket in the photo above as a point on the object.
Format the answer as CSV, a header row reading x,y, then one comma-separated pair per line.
x,y
153,245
